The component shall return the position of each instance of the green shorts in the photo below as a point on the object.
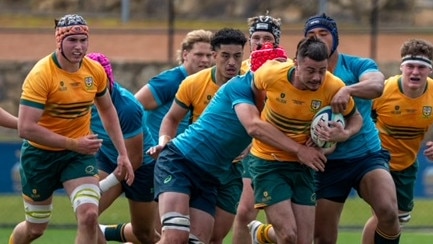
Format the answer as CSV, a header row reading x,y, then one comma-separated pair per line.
x,y
275,181
246,166
42,171
229,194
405,184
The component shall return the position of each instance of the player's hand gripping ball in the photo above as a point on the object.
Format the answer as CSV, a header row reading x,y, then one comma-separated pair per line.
x,y
324,115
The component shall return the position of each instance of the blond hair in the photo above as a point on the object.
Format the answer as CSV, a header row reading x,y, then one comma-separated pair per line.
x,y
190,39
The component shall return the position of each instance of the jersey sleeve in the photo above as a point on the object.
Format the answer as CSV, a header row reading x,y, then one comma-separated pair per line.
x,y
35,89
268,74
165,85
131,120
185,92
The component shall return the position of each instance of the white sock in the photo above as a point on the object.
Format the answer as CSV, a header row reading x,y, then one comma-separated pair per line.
x,y
102,227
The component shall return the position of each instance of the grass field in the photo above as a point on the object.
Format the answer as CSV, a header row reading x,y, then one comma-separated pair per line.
x,y
61,229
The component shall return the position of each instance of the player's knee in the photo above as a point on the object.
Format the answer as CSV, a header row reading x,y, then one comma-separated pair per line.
x,y
88,217
85,201
289,236
246,213
386,215
85,194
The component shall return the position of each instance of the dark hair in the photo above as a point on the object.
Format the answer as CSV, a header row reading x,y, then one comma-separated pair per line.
x,y
228,36
313,48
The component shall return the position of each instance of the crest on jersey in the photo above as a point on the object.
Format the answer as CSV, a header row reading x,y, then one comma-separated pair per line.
x,y
315,105
426,111
88,81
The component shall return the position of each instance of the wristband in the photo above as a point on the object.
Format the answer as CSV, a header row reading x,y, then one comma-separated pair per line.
x,y
108,182
163,140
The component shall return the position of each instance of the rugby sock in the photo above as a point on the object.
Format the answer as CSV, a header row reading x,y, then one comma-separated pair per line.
x,y
263,233
115,232
11,240
382,238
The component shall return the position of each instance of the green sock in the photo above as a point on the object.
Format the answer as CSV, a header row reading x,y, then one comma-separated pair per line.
x,y
115,233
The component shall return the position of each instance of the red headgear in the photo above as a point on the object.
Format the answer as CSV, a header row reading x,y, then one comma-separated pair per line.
x,y
267,51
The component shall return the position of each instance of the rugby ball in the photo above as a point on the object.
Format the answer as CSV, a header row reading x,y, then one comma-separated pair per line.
x,y
325,115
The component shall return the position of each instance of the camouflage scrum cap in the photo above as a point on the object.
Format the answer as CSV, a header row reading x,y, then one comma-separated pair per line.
x,y
70,24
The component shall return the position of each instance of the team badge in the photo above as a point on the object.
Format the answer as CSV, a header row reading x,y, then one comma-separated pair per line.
x,y
426,111
89,82
315,105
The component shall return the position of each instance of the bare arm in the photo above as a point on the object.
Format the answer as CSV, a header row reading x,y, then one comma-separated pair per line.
x,y
8,120
145,96
108,114
369,86
249,116
168,129
353,125
171,120
29,129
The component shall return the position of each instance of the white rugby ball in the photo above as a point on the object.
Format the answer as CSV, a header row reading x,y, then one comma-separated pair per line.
x,y
325,115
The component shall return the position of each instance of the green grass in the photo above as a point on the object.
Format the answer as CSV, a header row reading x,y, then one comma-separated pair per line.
x,y
356,212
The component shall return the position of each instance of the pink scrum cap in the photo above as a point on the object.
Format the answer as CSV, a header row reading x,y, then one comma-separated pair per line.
x,y
265,52
105,62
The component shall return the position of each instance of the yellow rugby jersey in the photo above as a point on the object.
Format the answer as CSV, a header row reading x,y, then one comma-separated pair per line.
x,y
246,65
65,97
196,91
403,121
289,109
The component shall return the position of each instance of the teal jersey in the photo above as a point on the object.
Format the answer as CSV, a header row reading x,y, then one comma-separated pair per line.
x,y
130,114
163,88
217,137
350,69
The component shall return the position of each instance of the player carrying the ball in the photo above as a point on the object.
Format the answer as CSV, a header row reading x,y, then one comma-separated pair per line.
x,y
283,182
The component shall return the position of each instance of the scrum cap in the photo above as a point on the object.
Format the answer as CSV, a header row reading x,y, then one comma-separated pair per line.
x,y
323,21
70,24
105,62
266,23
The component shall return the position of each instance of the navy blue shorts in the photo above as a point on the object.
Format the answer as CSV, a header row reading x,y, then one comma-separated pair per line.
x,y
175,173
141,189
341,175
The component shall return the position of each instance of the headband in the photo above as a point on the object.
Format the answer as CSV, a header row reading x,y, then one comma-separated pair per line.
x,y
422,60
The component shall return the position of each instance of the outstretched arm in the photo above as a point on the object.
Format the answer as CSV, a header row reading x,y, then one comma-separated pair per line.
x,y
108,114
8,120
